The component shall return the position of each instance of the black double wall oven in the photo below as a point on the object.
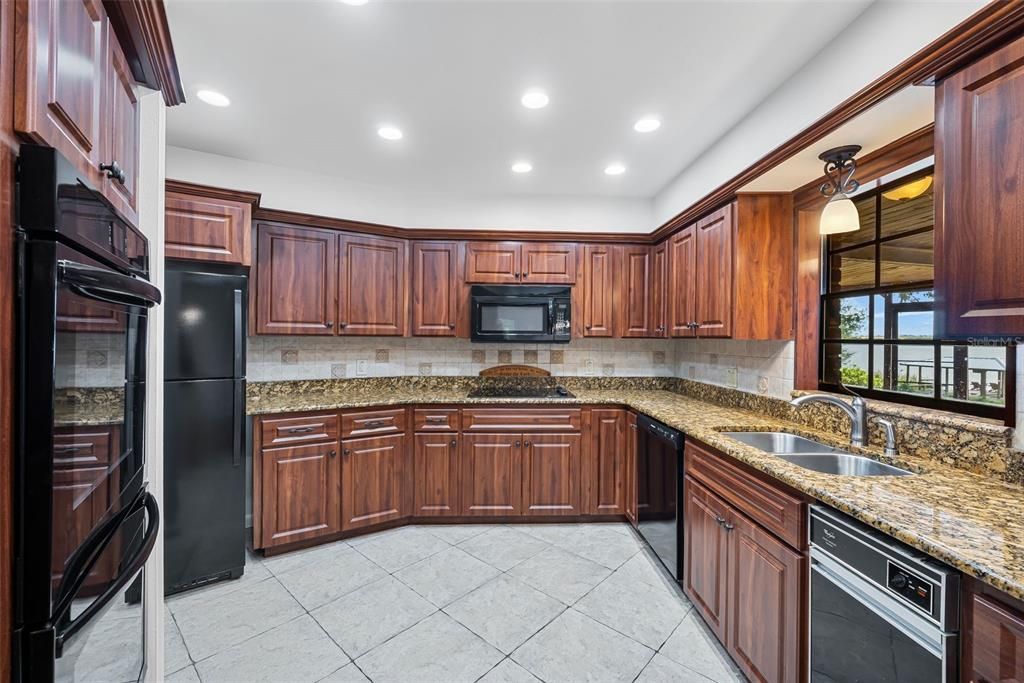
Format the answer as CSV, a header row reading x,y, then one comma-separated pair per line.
x,y
84,522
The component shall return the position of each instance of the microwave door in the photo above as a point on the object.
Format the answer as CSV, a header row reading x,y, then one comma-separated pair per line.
x,y
510,319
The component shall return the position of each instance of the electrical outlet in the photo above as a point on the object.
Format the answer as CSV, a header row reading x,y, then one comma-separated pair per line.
x,y
362,367
730,377
588,366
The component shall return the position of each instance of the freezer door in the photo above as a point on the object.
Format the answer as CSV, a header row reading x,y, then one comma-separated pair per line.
x,y
204,481
205,325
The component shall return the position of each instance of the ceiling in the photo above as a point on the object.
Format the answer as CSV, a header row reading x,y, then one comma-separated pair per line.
x,y
311,81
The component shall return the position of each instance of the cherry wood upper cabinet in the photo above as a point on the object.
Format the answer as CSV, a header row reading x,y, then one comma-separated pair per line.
x,y
493,262
207,229
713,288
606,462
492,474
682,280
979,221
633,290
299,494
296,280
372,296
435,475
61,58
121,123
549,263
372,472
659,292
764,267
551,474
598,291
435,288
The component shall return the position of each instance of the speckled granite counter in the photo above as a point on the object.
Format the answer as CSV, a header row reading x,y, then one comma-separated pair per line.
x,y
973,522
80,407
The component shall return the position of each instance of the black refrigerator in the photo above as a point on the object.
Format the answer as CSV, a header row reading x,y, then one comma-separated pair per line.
x,y
204,425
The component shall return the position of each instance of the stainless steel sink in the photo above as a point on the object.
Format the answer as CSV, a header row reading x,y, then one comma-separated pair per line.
x,y
812,455
843,463
781,442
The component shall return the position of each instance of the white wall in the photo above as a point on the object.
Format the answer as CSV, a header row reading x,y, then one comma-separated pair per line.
x,y
151,221
883,36
293,190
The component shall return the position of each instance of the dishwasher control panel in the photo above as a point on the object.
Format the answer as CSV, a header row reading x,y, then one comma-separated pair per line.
x,y
910,587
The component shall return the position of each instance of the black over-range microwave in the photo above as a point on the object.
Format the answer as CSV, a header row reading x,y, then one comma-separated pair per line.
x,y
521,313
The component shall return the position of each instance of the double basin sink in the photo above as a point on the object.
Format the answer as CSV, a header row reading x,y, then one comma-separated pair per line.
x,y
816,456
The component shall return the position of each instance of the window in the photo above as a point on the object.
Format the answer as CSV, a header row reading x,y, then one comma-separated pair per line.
x,y
878,314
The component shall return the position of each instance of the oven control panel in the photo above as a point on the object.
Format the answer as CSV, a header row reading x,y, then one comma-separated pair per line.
x,y
910,587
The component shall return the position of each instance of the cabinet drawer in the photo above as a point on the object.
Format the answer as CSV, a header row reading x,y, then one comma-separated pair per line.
x,y
287,431
782,514
83,446
436,419
520,419
373,423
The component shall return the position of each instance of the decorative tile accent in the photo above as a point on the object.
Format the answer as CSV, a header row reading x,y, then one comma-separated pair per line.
x,y
659,357
479,356
338,370
383,356
426,369
290,356
762,384
504,356
608,370
96,359
529,356
557,357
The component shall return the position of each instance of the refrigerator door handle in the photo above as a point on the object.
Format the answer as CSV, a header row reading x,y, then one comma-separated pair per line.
x,y
238,426
239,340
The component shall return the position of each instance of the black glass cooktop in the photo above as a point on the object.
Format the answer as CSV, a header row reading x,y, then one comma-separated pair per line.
x,y
521,392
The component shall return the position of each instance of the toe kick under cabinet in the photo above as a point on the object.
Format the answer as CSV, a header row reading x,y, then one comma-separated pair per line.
x,y
322,475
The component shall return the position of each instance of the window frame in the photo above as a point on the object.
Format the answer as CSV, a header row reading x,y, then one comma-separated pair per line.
x,y
1006,413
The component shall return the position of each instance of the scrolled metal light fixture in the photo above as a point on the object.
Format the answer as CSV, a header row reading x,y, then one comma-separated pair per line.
x,y
840,214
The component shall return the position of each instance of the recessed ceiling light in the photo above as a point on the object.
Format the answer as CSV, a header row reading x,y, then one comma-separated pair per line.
x,y
213,97
389,133
614,169
522,167
647,124
535,99
354,3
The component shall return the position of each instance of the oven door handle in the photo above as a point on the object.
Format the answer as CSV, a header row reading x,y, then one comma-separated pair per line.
x,y
144,501
917,628
106,285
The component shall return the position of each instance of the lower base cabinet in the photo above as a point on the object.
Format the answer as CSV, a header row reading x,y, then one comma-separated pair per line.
x,y
299,496
993,635
551,474
372,476
435,475
632,444
492,474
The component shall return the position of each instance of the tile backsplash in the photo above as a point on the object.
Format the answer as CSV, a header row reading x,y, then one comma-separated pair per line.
x,y
757,367
287,358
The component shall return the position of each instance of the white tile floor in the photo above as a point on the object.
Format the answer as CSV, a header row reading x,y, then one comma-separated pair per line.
x,y
444,604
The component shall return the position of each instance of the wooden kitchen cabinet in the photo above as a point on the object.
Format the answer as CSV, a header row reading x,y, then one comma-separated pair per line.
x,y
121,132
606,472
634,291
435,472
296,280
492,474
632,444
548,263
202,228
535,263
682,282
598,291
372,300
493,263
659,290
713,288
705,555
993,635
435,289
299,494
551,474
979,241
372,474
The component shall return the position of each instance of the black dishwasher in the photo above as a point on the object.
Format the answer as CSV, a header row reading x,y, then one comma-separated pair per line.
x,y
659,480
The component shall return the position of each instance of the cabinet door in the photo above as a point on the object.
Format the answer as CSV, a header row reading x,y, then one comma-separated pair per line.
x,y
296,280
435,475
682,279
121,132
598,290
60,55
300,493
979,241
659,290
995,642
492,474
632,437
765,603
371,480
705,554
493,262
549,263
606,478
435,288
201,229
551,474
714,274
633,289
372,296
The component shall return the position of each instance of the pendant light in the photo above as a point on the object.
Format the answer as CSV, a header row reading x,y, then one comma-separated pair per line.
x,y
840,214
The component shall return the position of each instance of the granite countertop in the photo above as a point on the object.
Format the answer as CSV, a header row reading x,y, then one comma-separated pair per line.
x,y
975,523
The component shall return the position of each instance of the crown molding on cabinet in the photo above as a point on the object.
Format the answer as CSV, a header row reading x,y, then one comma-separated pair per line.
x,y
210,192
142,30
